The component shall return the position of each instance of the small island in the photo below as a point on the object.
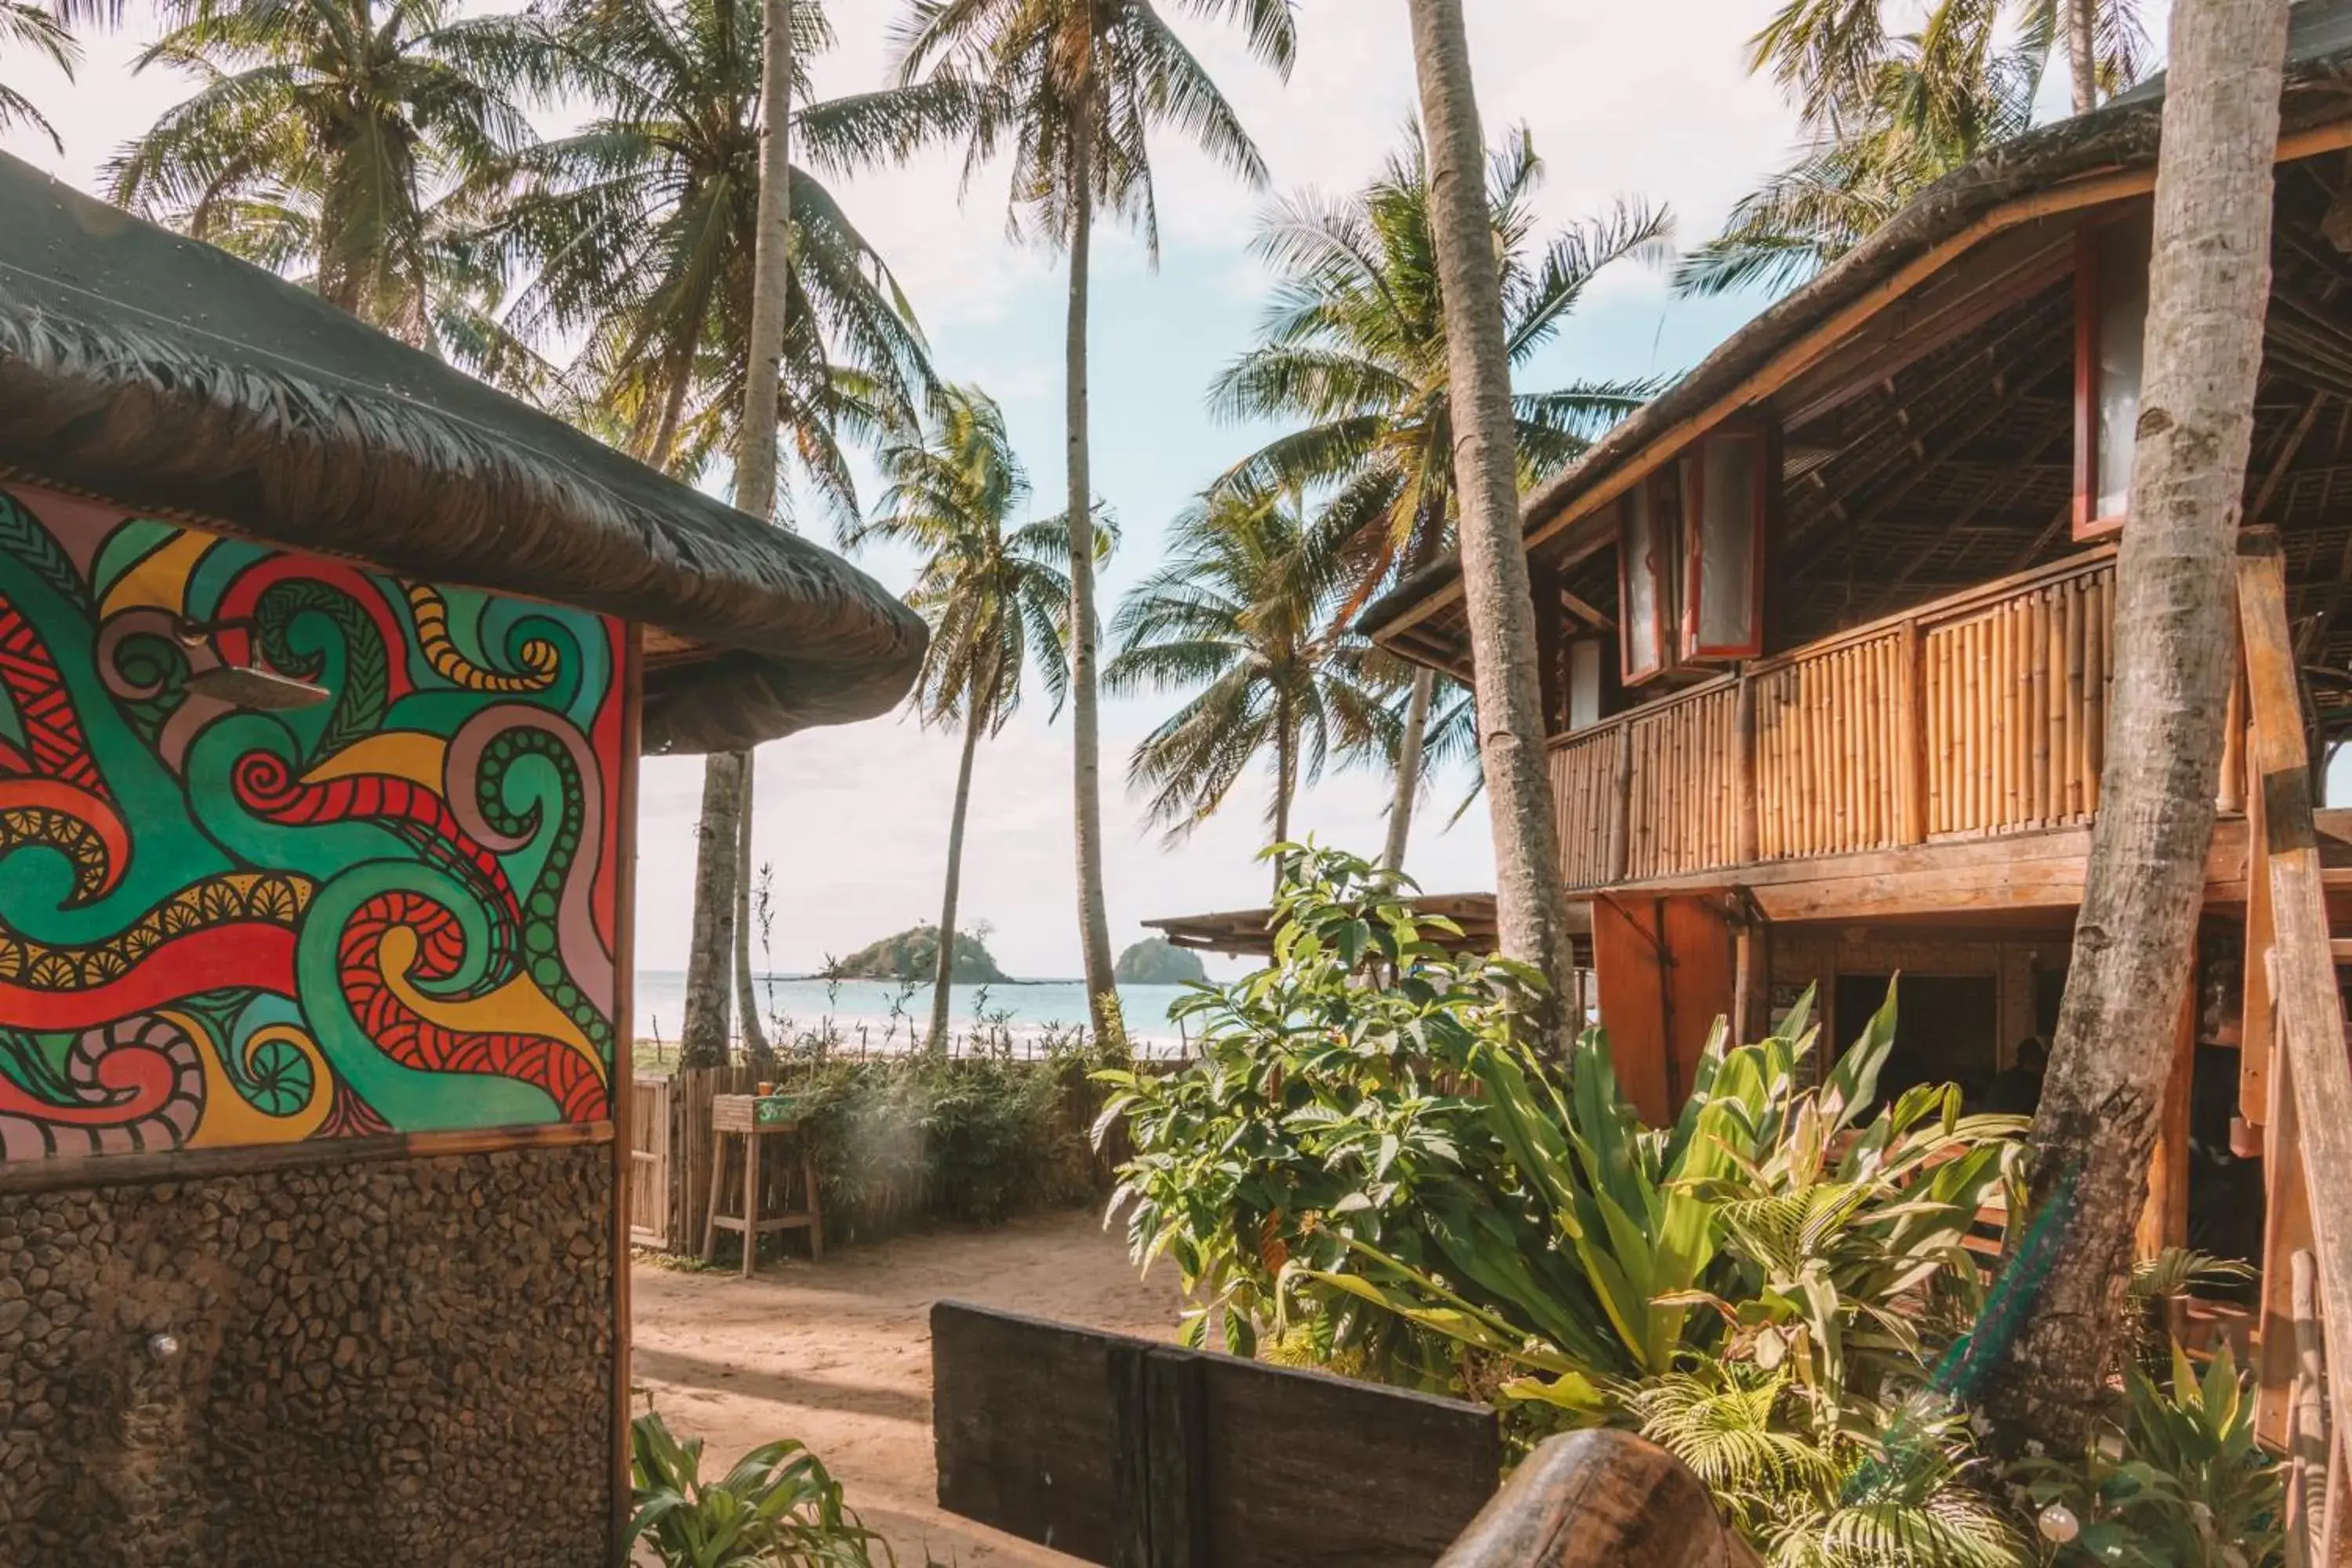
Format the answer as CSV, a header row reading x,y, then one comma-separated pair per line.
x,y
914,954
1155,961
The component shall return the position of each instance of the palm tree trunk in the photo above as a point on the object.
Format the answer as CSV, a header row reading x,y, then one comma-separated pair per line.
x,y
1286,783
757,1050
703,1042
1408,772
1531,910
943,977
1094,918
2208,286
2082,22
726,798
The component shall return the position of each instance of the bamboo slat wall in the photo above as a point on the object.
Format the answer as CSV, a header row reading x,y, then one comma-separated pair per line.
x,y
1982,713
1830,752
1584,803
2016,709
1680,813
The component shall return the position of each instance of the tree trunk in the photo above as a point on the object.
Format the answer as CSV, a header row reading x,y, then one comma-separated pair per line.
x,y
757,1050
2082,27
1094,918
718,897
718,846
943,977
1408,772
2174,582
1530,907
1286,782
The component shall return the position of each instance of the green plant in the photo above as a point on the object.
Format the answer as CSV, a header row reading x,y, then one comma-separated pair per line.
x,y
2179,1482
1816,1484
777,1508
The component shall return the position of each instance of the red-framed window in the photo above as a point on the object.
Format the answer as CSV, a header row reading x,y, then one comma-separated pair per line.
x,y
1727,498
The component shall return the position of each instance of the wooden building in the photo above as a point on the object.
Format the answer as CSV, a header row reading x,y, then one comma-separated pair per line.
x,y
324,672
1825,633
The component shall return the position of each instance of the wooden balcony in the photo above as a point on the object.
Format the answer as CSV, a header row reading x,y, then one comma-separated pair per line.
x,y
1978,716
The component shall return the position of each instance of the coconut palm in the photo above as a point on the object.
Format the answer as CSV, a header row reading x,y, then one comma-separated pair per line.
x,y
330,138
1072,90
36,29
1241,616
1352,355
640,235
1885,115
995,596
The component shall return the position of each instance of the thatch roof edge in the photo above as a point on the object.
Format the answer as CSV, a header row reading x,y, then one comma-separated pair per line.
x,y
387,456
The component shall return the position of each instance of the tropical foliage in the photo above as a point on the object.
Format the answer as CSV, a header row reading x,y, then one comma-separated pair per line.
x,y
342,141
777,1508
637,233
1885,114
1242,616
2178,1482
37,30
1369,1159
1072,90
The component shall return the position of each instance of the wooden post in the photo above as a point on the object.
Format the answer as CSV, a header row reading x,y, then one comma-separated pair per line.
x,y
1620,814
1743,773
2164,1219
2310,1013
1911,731
2306,1435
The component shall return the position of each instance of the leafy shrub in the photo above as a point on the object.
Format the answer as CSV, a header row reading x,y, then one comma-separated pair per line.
x,y
2177,1482
972,1140
777,1508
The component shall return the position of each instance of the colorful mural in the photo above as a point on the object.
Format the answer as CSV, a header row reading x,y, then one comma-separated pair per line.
x,y
227,921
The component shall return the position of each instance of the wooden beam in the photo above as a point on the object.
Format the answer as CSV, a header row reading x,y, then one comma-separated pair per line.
x,y
622,1073
2310,1012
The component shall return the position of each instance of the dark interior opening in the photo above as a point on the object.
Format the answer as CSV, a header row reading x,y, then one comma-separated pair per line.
x,y
1946,1027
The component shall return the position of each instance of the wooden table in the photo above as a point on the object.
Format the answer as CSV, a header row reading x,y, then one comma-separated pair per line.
x,y
736,1117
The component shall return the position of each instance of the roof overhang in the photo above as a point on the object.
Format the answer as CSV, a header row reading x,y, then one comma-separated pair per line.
x,y
2071,167
144,369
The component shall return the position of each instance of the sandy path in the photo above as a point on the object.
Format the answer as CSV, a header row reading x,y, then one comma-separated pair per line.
x,y
839,1355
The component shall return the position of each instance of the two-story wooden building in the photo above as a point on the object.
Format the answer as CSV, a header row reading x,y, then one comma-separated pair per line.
x,y
1826,627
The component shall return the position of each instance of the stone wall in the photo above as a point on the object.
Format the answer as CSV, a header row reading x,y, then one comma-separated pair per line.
x,y
399,1365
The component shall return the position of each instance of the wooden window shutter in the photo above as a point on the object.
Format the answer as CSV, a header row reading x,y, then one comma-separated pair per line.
x,y
1725,501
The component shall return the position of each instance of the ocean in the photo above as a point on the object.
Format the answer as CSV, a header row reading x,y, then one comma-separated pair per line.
x,y
882,1016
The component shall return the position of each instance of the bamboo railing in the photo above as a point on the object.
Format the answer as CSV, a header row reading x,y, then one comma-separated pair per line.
x,y
1978,714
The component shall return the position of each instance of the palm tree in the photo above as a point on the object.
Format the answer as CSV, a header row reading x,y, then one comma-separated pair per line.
x,y
1530,906
995,600
1073,89
1241,615
640,234
41,31
1885,116
1353,350
711,278
329,139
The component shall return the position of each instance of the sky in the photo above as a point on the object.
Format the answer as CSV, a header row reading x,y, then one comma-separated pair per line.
x,y
1646,101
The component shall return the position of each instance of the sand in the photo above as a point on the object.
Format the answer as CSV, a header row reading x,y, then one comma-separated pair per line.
x,y
838,1354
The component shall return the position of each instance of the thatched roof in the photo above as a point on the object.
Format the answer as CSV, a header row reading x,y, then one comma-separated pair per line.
x,y
2121,136
152,371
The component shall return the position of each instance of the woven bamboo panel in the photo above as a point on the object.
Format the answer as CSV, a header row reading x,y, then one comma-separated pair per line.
x,y
2016,709
1830,750
1584,803
1680,814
